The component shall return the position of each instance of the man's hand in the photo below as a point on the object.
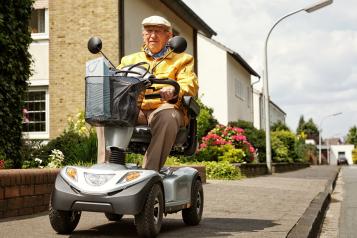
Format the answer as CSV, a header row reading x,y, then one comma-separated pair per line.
x,y
168,93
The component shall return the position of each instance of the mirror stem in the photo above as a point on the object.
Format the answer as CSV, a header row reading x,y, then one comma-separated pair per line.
x,y
107,59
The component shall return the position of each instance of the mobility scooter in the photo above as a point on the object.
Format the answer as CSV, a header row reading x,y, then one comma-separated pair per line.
x,y
115,187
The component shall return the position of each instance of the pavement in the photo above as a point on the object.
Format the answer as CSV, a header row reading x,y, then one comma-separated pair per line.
x,y
281,205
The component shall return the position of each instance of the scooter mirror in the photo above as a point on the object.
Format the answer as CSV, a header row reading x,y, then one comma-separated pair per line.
x,y
178,44
94,45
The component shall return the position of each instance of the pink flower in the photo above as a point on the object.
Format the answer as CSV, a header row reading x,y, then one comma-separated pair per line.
x,y
238,130
239,138
203,145
251,149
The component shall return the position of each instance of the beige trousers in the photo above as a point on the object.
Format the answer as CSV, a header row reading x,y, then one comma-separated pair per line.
x,y
165,123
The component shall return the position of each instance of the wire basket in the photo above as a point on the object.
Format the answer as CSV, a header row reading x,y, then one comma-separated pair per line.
x,y
113,100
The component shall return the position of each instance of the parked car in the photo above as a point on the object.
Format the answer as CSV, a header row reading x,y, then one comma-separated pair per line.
x,y
342,160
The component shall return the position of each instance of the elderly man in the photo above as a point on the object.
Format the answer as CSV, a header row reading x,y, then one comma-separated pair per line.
x,y
164,118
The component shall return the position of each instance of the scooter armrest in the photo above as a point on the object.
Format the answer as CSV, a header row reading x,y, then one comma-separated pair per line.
x,y
190,103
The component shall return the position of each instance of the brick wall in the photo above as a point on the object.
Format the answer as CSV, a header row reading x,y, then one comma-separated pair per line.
x,y
25,192
71,24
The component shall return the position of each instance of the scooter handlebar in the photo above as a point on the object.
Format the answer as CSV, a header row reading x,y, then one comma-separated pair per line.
x,y
164,81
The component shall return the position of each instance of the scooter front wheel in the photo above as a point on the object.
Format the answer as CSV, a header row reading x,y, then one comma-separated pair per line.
x,y
148,221
64,222
113,216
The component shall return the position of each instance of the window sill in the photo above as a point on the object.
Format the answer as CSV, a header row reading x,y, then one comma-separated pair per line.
x,y
35,135
40,36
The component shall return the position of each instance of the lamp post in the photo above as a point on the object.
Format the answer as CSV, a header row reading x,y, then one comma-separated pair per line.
x,y
308,9
320,130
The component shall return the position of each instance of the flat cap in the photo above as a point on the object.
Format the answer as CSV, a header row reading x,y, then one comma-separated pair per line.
x,y
156,21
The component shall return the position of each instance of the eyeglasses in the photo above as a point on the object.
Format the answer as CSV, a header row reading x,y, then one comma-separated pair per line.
x,y
154,31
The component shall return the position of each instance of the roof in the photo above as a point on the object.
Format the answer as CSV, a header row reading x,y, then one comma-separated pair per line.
x,y
235,56
189,16
277,107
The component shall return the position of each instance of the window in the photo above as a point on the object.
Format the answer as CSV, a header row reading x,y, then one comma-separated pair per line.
x,y
37,23
35,112
239,89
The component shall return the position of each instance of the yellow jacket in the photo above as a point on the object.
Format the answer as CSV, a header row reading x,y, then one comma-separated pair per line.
x,y
178,67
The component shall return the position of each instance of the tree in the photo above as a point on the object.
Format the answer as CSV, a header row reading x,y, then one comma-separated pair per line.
x,y
15,63
301,124
308,128
279,126
352,136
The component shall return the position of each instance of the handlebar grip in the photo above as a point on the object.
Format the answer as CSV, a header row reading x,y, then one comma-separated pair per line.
x,y
164,81
152,96
169,82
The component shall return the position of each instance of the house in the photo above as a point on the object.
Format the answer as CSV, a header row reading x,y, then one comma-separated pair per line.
x,y
225,81
61,29
276,113
337,151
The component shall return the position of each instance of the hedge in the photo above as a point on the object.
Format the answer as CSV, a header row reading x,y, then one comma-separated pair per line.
x,y
15,61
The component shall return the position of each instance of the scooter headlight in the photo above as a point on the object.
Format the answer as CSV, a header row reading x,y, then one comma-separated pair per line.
x,y
130,177
72,173
97,179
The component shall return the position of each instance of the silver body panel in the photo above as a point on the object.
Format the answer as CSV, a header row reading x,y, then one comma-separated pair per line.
x,y
118,196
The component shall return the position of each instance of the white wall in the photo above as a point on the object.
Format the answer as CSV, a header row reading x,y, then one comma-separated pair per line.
x,y
136,10
40,66
239,107
341,148
276,115
212,77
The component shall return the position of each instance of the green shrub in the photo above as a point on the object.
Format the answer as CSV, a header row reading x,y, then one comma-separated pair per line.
x,y
221,170
75,148
225,143
15,71
78,143
286,147
205,120
354,156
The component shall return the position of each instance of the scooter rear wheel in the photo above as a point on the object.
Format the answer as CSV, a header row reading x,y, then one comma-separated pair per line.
x,y
148,221
192,216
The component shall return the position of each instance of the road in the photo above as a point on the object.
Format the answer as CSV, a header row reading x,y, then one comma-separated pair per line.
x,y
266,206
341,217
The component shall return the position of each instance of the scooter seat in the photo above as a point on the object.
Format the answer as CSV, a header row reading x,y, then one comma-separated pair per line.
x,y
186,138
142,134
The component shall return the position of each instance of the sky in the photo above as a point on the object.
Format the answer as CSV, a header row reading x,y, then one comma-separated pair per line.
x,y
312,57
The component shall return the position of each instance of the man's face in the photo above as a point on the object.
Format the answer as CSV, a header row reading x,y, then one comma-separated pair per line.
x,y
156,37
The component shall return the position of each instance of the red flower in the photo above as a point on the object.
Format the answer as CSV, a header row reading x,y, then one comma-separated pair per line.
x,y
2,164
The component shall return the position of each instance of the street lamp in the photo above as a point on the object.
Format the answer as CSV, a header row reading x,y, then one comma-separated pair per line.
x,y
308,9
320,130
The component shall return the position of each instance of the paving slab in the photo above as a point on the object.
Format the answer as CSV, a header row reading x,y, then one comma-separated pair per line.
x,y
266,206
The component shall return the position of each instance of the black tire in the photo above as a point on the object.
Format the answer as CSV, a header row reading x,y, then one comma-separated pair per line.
x,y
148,221
192,216
113,216
64,222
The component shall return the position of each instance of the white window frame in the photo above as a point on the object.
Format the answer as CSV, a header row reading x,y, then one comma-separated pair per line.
x,y
43,134
42,35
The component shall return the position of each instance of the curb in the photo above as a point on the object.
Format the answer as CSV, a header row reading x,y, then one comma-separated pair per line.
x,y
309,224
